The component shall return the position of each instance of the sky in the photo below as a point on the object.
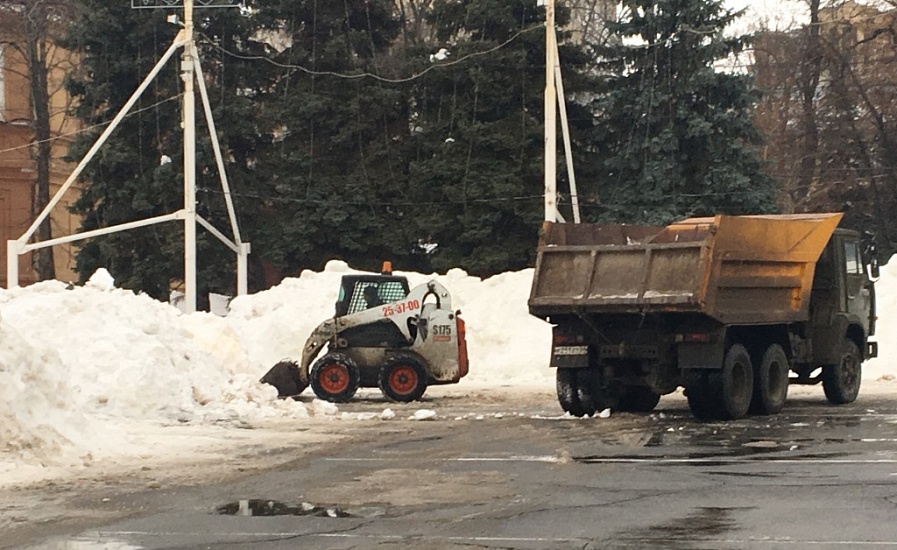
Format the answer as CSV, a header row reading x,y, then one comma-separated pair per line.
x,y
83,369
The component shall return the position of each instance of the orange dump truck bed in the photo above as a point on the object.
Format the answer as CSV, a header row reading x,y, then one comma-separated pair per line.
x,y
736,269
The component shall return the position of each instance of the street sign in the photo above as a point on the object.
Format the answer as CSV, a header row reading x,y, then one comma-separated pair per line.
x,y
150,4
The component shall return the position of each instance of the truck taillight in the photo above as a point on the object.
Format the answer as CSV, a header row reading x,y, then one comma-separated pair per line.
x,y
567,339
695,338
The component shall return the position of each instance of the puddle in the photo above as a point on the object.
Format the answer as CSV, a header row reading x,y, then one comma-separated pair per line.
x,y
266,508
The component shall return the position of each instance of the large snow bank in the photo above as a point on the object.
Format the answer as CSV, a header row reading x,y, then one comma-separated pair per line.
x,y
80,366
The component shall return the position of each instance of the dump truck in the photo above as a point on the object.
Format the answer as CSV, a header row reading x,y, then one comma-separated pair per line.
x,y
731,308
383,334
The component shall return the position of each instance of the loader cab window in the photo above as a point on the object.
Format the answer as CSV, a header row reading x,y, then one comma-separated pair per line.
x,y
368,294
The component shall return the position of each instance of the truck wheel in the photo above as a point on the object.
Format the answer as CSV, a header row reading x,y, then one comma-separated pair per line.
x,y
770,382
700,399
567,395
841,382
335,377
733,385
403,379
638,399
593,395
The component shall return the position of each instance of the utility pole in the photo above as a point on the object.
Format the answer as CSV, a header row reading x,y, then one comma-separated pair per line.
x,y
189,125
550,137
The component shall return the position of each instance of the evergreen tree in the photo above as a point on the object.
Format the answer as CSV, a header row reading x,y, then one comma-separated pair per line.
x,y
477,164
337,178
676,135
138,173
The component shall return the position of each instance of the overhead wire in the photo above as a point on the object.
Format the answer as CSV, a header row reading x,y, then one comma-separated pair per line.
x,y
355,76
89,128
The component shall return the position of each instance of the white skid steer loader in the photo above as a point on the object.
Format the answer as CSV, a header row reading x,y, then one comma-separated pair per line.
x,y
382,335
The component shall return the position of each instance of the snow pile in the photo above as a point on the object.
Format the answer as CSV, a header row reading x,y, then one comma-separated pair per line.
x,y
78,365
81,366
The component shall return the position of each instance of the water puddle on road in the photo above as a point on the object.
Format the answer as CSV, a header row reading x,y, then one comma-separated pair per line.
x,y
267,508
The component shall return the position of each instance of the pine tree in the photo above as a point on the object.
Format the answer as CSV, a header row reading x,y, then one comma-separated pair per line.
x,y
476,167
676,134
337,178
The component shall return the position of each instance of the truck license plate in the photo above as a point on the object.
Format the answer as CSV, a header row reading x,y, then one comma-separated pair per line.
x,y
571,350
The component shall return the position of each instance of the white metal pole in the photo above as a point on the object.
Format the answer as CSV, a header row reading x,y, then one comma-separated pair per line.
x,y
216,147
565,128
12,264
189,122
243,270
550,118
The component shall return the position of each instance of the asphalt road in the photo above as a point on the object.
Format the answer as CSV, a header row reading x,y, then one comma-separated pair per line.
x,y
509,473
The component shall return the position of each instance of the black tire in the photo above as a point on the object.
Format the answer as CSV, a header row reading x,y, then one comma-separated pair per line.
x,y
335,377
770,382
403,378
285,377
697,390
594,395
566,389
733,385
638,399
841,382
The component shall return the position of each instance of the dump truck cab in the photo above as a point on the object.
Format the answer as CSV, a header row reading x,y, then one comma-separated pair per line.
x,y
842,303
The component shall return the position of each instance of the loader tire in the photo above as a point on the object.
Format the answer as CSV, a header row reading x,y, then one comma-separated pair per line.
x,y
841,382
403,378
638,399
335,377
566,389
770,382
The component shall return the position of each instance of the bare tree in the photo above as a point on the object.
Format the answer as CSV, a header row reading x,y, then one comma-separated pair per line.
x,y
30,27
830,113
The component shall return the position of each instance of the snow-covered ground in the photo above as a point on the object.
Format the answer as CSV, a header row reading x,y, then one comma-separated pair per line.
x,y
96,373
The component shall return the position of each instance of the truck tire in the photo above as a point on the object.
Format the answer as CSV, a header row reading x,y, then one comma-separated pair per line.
x,y
594,395
733,385
841,382
335,377
700,399
566,389
403,378
638,399
770,382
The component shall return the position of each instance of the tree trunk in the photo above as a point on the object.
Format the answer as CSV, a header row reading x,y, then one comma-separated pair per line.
x,y
36,27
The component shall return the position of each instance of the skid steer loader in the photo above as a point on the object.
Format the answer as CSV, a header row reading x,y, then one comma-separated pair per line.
x,y
382,335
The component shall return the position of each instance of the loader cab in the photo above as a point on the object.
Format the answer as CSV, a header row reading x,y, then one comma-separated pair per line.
x,y
361,292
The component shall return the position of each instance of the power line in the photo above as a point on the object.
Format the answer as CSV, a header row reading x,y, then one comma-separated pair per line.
x,y
367,74
89,128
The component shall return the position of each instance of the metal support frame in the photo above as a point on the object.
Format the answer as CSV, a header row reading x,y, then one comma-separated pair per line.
x,y
554,97
191,72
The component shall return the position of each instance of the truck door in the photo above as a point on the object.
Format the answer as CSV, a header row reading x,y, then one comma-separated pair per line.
x,y
858,288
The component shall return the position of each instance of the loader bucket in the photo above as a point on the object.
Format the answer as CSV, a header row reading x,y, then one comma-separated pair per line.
x,y
285,377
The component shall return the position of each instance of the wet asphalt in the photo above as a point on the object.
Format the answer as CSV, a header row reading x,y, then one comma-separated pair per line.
x,y
504,475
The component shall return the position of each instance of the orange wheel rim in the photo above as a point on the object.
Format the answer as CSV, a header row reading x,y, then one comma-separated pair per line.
x,y
403,379
334,378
